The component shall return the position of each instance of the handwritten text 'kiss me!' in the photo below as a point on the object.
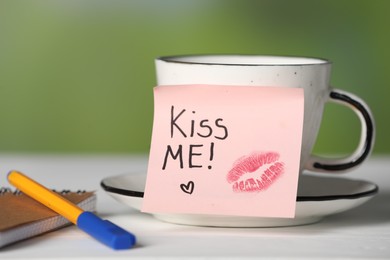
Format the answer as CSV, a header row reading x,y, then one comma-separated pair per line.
x,y
181,128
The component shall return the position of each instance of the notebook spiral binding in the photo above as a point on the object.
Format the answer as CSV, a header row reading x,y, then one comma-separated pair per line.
x,y
17,192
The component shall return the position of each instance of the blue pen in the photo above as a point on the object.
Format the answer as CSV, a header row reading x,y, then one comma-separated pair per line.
x,y
103,230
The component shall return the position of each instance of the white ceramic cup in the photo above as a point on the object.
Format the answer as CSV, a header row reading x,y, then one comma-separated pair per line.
x,y
311,74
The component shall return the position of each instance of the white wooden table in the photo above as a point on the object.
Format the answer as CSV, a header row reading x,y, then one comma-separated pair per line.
x,y
363,232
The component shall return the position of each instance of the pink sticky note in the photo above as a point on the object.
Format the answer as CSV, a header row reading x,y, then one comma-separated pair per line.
x,y
225,150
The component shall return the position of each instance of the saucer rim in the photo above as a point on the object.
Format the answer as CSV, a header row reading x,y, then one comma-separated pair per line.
x,y
367,193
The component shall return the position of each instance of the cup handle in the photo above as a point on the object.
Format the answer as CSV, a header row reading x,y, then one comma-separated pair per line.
x,y
367,136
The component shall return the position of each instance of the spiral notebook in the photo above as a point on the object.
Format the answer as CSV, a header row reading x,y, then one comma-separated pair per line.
x,y
22,217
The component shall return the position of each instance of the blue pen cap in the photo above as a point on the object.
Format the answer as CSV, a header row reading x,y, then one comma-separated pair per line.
x,y
105,231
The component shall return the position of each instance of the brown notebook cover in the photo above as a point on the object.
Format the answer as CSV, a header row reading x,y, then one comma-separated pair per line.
x,y
22,217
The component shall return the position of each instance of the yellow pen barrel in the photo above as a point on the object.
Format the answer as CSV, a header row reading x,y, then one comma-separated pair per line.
x,y
45,196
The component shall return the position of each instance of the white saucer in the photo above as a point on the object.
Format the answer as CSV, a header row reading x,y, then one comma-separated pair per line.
x,y
318,196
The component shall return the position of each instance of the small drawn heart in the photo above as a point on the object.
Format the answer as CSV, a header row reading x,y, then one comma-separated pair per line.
x,y
188,188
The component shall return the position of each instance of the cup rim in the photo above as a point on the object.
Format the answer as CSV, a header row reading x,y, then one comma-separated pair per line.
x,y
251,60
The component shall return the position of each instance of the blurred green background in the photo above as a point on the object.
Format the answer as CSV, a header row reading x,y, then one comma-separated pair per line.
x,y
77,76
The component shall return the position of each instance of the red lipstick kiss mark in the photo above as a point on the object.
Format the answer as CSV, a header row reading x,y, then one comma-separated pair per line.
x,y
273,169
